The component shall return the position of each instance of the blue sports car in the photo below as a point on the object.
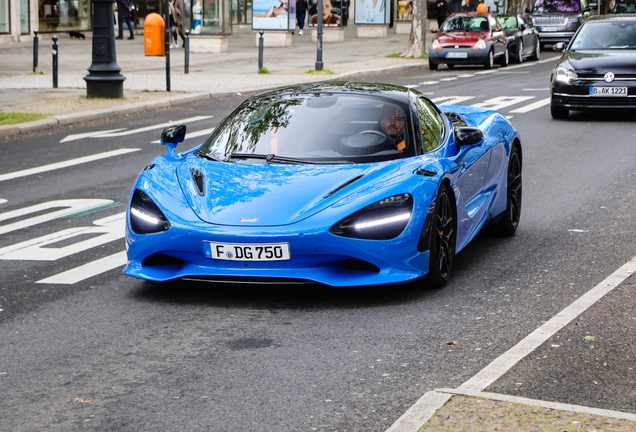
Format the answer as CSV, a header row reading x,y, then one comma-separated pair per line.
x,y
339,183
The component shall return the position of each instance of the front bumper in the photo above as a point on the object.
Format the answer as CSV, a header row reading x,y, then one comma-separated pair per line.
x,y
473,56
577,95
555,37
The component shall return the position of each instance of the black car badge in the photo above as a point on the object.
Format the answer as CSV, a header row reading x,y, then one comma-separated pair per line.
x,y
609,77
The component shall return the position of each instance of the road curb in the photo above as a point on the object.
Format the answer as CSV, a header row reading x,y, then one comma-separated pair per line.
x,y
66,119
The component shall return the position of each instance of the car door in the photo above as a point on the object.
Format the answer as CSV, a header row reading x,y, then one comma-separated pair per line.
x,y
498,38
527,36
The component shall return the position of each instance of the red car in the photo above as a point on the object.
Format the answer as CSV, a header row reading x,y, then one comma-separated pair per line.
x,y
469,38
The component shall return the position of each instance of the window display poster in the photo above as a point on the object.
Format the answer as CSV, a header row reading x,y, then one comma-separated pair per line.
x,y
271,14
330,15
372,12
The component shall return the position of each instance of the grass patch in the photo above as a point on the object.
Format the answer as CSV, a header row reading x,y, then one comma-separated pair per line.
x,y
422,57
15,118
39,72
264,70
317,72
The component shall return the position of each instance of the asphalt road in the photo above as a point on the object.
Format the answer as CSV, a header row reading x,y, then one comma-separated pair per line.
x,y
114,353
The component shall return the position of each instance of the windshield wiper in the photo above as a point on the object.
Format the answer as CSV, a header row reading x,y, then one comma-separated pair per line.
x,y
281,159
208,156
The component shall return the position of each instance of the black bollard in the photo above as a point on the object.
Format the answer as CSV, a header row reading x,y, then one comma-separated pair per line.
x,y
319,63
260,51
167,36
36,41
54,61
187,51
104,79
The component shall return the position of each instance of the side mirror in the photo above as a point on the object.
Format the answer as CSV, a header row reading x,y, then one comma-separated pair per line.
x,y
527,10
524,26
468,135
172,136
587,9
559,47
498,29
433,31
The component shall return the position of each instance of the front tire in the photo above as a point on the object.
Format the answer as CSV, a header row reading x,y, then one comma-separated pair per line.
x,y
432,66
558,112
505,58
443,236
510,220
519,51
490,60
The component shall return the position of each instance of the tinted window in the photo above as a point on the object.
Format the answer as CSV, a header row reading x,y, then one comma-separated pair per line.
x,y
557,6
606,35
627,7
465,24
430,125
318,127
508,22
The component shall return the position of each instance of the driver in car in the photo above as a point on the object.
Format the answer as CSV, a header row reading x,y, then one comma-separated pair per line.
x,y
392,123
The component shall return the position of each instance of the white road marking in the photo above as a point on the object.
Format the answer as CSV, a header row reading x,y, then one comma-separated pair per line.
x,y
429,83
449,79
501,102
416,416
532,106
149,128
2,200
411,86
466,76
111,228
509,117
196,134
65,164
68,207
451,100
88,270
578,230
88,135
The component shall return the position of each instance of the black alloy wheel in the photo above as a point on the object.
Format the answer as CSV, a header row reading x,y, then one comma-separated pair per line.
x,y
505,58
443,235
559,112
490,60
510,220
432,66
519,51
536,55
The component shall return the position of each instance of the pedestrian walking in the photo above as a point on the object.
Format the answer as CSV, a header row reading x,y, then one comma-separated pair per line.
x,y
301,13
174,42
124,9
178,12
441,6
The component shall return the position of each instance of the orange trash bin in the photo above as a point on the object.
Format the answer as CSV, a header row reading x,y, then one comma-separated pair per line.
x,y
154,35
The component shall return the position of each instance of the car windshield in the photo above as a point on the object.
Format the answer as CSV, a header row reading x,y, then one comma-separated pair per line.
x,y
626,7
542,6
465,24
313,128
508,22
614,35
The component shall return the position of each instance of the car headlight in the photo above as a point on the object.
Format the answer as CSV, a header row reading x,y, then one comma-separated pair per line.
x,y
145,216
436,45
565,75
480,44
383,220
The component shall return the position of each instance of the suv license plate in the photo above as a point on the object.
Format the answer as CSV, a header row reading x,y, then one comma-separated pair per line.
x,y
247,251
456,55
608,91
549,29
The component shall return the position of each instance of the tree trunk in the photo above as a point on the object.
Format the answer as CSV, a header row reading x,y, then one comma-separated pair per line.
x,y
419,27
519,6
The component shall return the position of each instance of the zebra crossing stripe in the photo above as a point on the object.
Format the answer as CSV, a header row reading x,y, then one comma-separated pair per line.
x,y
532,106
87,270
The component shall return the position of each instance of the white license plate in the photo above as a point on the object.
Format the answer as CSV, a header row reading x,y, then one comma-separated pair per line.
x,y
549,29
456,55
247,251
608,91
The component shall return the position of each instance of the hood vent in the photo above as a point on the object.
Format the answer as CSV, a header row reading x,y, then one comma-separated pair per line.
x,y
344,185
197,176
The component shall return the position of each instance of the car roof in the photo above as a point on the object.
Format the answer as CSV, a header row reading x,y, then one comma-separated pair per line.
x,y
614,17
460,14
353,87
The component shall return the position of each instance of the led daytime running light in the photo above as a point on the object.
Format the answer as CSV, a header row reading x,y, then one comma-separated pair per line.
x,y
144,216
383,221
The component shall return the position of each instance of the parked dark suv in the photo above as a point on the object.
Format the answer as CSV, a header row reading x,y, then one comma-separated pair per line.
x,y
558,20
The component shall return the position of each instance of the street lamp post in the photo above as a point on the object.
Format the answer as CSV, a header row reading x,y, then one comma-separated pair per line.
x,y
104,79
319,64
